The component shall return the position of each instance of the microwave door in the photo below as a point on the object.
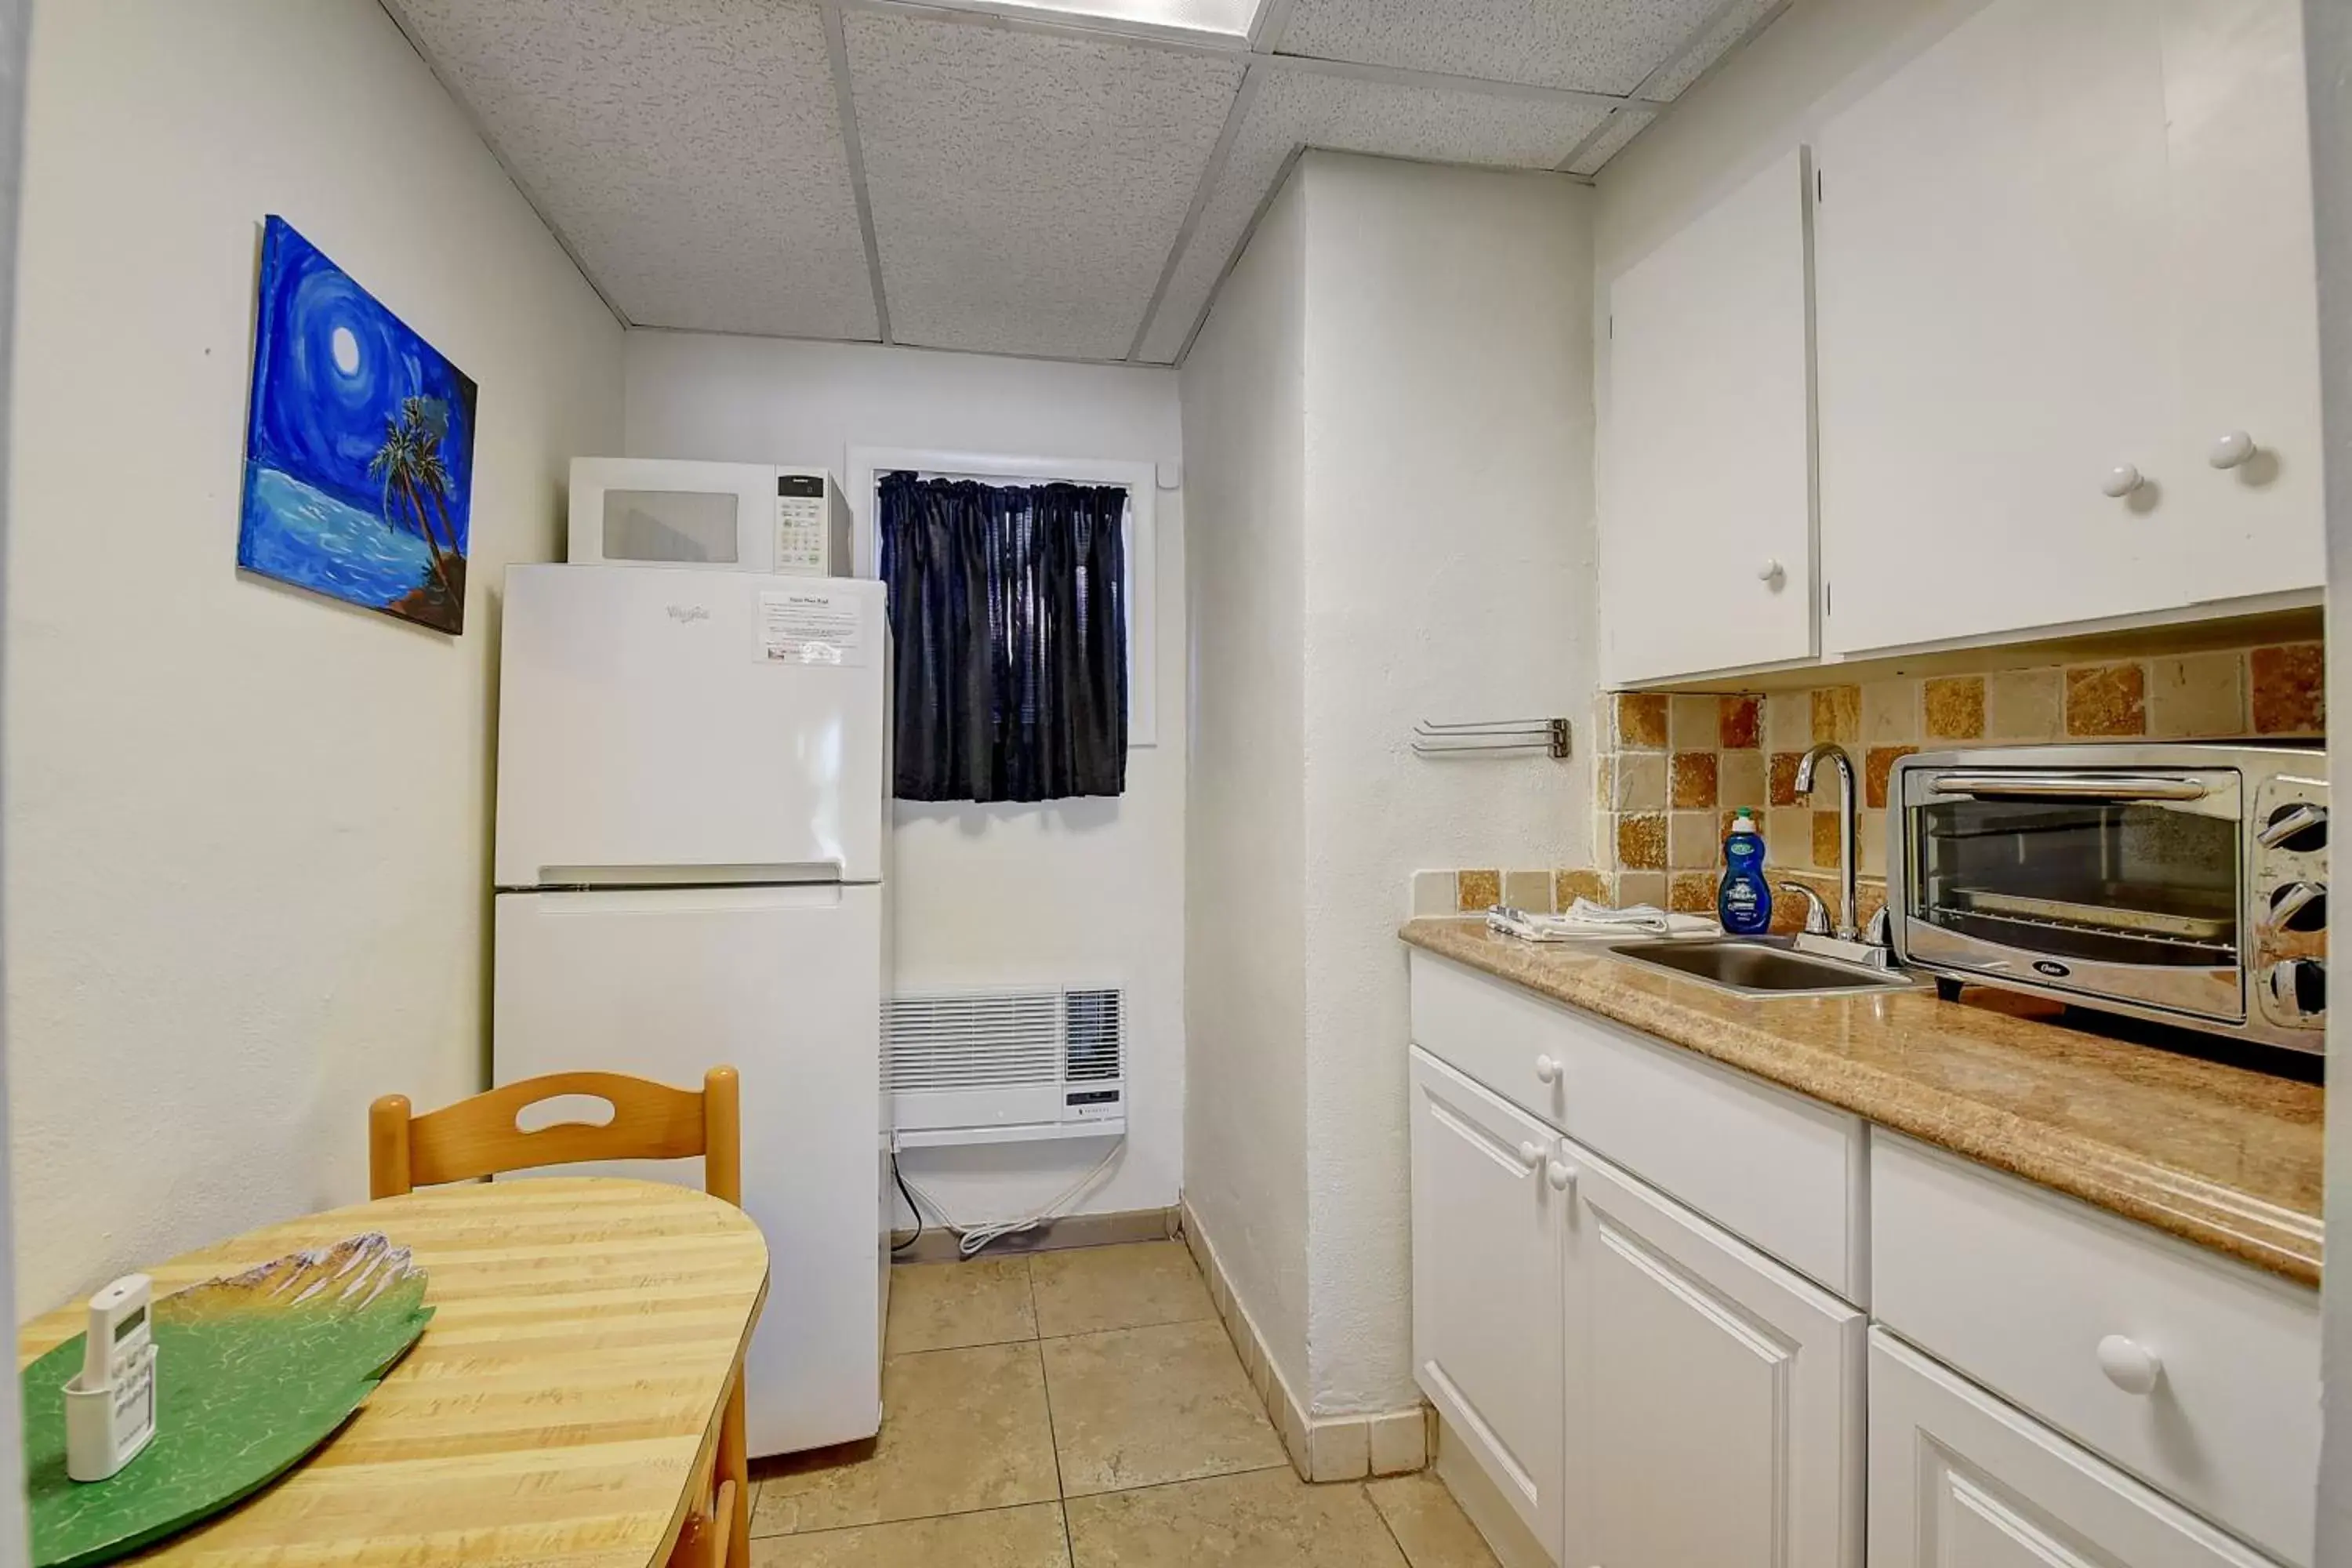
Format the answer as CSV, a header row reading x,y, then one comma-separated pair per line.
x,y
671,528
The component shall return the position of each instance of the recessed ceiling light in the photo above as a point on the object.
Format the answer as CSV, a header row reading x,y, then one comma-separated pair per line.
x,y
1223,19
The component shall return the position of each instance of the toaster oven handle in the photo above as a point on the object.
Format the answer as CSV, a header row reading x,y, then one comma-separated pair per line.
x,y
2066,786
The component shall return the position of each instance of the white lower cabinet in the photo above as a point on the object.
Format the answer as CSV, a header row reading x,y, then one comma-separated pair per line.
x,y
1715,1399
1958,1479
1486,1237
1650,1389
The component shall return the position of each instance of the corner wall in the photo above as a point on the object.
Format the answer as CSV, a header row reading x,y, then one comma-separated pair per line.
x,y
1079,891
1245,861
1388,434
248,827
1450,577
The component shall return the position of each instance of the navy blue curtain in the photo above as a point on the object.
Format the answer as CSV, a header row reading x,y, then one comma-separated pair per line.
x,y
1008,604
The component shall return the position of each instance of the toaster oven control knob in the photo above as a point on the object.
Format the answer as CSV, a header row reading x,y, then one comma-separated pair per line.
x,y
2300,987
2300,906
2298,826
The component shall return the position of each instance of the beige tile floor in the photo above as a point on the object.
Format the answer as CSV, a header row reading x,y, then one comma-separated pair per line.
x,y
1080,1409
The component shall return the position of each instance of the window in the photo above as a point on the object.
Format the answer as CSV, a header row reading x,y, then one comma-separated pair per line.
x,y
1008,607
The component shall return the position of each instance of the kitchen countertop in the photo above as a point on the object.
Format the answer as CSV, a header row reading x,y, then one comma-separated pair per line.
x,y
2221,1155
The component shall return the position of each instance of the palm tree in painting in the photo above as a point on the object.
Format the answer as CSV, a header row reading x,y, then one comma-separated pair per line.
x,y
409,463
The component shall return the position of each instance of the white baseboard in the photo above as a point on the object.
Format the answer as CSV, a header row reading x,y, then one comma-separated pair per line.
x,y
1326,1448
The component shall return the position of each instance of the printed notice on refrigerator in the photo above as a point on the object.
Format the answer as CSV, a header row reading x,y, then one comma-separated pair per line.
x,y
811,626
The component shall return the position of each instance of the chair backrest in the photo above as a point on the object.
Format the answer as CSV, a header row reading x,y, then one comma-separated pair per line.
x,y
483,1136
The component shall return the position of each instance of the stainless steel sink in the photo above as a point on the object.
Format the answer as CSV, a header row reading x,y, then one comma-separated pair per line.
x,y
1761,966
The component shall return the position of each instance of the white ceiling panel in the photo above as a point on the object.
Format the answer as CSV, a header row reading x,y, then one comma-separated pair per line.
x,y
1738,19
1298,109
1593,46
688,151
1623,125
1025,187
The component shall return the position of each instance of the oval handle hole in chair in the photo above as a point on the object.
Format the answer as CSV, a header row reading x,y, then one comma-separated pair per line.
x,y
564,1110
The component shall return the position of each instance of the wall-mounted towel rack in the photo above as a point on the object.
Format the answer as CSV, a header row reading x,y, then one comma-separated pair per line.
x,y
1492,737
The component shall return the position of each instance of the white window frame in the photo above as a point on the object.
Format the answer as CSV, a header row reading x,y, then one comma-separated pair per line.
x,y
865,463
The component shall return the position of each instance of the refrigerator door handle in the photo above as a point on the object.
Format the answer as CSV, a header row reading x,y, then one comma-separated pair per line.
x,y
609,902
777,874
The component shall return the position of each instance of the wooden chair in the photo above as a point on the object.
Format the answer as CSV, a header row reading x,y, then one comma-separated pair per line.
x,y
481,1137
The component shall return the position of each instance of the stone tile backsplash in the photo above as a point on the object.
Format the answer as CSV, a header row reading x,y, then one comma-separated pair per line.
x,y
1672,770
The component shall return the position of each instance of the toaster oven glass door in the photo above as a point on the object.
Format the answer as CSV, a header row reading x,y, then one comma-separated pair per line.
x,y
2125,885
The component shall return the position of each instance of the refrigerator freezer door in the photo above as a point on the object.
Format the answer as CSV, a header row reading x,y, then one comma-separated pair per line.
x,y
784,984
659,725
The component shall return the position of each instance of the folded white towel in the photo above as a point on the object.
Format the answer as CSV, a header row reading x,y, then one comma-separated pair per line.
x,y
1586,920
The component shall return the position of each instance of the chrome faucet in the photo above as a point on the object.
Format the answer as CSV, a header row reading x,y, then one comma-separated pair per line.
x,y
1849,841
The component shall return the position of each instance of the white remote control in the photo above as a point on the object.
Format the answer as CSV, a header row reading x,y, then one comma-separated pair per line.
x,y
110,1408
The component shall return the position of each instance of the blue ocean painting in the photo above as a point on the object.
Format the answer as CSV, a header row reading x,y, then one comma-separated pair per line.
x,y
358,451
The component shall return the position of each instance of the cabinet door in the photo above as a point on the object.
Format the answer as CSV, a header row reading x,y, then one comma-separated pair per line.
x,y
1486,1284
1958,1479
2247,312
1995,331
1707,521
1715,1399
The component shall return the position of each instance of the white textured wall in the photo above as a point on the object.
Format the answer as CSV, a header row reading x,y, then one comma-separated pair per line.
x,y
1388,430
1245,997
1078,890
1449,576
247,885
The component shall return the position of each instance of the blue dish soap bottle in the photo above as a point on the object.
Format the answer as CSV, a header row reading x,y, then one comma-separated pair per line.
x,y
1744,899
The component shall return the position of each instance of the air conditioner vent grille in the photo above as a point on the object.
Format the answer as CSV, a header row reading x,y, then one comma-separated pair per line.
x,y
1000,1039
1095,1035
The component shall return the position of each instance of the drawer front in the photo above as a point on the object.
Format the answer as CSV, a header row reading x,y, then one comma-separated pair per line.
x,y
1785,1172
2018,1287
1491,1031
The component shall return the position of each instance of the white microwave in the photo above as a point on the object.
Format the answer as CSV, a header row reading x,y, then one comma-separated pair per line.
x,y
734,517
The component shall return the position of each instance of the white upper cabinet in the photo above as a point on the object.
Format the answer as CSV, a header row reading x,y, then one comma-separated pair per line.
x,y
1993,322
1707,521
2062,254
2246,308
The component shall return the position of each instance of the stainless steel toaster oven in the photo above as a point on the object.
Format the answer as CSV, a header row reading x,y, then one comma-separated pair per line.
x,y
2184,882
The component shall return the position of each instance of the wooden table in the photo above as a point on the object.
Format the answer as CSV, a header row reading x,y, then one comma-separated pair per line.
x,y
565,1395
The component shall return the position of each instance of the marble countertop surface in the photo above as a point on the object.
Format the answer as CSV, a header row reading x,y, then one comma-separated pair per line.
x,y
2221,1155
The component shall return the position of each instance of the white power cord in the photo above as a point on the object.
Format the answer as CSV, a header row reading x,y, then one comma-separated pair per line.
x,y
970,1239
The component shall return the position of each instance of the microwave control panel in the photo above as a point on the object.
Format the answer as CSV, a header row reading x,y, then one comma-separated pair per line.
x,y
804,519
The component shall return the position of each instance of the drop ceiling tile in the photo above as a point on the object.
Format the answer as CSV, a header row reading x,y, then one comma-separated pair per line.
x,y
1593,46
1026,188
1743,17
1623,127
689,150
1298,108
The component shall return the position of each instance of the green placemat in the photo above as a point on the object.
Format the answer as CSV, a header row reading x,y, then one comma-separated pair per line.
x,y
252,1373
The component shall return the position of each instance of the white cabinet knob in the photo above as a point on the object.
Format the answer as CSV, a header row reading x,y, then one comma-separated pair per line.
x,y
1547,1070
1770,571
2121,481
2130,1364
2230,450
1532,1154
1560,1174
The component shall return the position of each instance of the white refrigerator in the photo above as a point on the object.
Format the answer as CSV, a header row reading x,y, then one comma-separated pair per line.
x,y
690,870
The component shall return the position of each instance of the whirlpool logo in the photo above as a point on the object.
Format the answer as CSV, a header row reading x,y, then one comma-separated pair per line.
x,y
687,615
